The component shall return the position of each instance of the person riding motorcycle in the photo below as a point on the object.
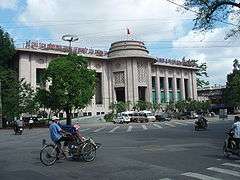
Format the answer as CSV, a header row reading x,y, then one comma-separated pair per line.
x,y
18,124
236,130
201,121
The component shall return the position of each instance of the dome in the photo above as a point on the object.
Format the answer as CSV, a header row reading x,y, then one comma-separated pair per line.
x,y
128,48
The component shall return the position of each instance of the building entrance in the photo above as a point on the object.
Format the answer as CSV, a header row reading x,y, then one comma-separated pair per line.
x,y
120,94
142,93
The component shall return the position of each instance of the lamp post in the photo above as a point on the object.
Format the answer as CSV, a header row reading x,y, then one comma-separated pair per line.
x,y
70,38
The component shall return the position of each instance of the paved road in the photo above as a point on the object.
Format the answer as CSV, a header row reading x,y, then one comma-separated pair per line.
x,y
166,150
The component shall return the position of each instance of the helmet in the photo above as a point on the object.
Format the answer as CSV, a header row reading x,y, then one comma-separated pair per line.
x,y
54,118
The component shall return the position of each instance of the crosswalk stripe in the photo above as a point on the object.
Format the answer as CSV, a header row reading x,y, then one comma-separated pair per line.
x,y
99,129
144,127
114,129
158,126
199,176
84,130
179,123
129,128
165,179
171,125
225,171
231,164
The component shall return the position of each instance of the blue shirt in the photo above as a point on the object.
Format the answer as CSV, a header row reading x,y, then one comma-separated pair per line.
x,y
55,133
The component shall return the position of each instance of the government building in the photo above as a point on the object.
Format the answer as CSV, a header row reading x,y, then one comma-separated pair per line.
x,y
127,72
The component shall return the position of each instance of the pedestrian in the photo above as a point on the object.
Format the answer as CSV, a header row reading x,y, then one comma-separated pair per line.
x,y
30,123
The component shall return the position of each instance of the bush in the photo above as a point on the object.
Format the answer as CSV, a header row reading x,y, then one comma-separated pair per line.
x,y
109,117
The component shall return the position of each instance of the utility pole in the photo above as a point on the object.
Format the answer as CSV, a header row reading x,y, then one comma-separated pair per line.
x,y
1,122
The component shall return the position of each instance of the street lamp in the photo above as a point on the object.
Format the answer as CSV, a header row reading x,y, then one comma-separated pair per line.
x,y
70,38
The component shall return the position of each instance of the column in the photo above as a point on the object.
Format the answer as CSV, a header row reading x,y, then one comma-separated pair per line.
x,y
174,88
182,88
149,83
135,80
190,92
194,85
158,91
166,88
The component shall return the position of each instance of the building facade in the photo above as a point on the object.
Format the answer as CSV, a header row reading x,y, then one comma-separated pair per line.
x,y
125,73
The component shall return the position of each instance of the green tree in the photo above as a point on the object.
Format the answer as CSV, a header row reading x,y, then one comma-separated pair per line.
x,y
231,95
7,50
201,73
9,92
211,12
143,105
27,99
72,84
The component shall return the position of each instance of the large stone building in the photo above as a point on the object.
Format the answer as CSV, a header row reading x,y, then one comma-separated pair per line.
x,y
125,73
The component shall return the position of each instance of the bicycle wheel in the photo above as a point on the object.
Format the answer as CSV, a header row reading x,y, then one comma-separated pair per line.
x,y
88,152
48,154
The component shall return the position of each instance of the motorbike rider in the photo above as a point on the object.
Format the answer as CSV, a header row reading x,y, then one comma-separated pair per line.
x,y
236,130
56,134
201,120
18,124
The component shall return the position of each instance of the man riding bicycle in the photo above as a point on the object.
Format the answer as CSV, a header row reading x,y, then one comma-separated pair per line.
x,y
56,134
236,130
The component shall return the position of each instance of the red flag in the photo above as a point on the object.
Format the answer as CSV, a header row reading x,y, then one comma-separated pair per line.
x,y
128,31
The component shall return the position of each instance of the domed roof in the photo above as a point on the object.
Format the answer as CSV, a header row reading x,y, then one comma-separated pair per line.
x,y
128,48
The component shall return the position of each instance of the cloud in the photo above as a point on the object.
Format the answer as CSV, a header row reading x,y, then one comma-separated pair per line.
x,y
98,23
8,4
212,48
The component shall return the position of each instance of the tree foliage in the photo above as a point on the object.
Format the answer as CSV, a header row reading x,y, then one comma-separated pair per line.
x,y
17,96
7,49
231,94
72,84
211,12
201,73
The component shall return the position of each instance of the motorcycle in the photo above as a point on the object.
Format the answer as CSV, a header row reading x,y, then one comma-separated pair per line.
x,y
230,145
18,130
201,124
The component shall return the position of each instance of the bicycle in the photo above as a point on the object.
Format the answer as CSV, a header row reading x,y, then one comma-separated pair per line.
x,y
85,150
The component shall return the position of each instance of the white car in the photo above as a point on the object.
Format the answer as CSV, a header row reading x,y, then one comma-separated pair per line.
x,y
123,117
146,116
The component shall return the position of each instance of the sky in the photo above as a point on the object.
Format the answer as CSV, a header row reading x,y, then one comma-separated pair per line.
x,y
165,28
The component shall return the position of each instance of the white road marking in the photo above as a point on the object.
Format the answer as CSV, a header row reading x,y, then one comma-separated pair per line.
x,y
158,126
231,164
225,171
84,130
114,129
180,123
129,128
144,127
171,125
99,129
199,176
237,161
165,179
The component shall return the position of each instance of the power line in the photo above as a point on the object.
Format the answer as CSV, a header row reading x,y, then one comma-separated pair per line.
x,y
188,9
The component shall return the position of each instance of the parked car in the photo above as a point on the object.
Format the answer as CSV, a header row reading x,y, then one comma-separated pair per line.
x,y
145,116
123,117
163,117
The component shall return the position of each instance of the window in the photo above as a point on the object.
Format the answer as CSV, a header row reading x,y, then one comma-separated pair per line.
x,y
178,83
153,82
98,93
161,82
170,83
98,113
89,113
102,112
39,75
84,114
